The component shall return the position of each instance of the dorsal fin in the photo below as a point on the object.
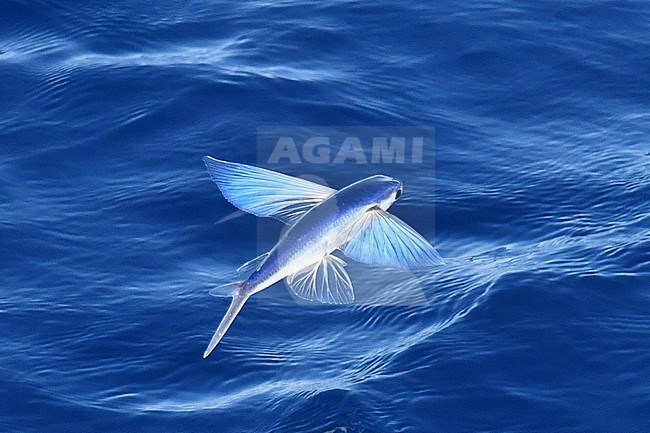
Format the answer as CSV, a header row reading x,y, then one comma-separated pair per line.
x,y
253,265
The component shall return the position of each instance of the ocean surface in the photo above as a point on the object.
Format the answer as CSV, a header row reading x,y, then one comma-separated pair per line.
x,y
538,184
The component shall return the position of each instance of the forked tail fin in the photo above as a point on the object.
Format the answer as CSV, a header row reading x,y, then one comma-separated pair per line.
x,y
238,301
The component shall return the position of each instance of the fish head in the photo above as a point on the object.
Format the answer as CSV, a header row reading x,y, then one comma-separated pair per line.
x,y
381,191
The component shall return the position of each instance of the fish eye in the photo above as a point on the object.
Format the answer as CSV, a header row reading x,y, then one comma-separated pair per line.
x,y
398,193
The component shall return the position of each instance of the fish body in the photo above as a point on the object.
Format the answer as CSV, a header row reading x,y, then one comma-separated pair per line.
x,y
322,230
322,220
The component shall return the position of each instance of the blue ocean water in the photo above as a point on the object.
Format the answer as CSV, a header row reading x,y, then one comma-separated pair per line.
x,y
538,322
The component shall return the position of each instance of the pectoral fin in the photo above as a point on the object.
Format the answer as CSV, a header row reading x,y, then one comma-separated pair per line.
x,y
382,239
265,193
325,281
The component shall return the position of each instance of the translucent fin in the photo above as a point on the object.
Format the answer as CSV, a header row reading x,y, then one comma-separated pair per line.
x,y
236,305
252,265
226,290
265,193
384,240
326,282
